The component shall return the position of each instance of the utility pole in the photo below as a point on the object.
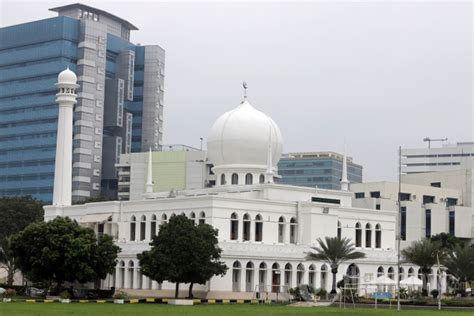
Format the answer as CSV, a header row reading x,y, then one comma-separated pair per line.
x,y
398,230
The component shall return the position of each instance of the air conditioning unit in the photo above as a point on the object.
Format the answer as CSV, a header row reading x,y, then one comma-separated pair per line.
x,y
442,200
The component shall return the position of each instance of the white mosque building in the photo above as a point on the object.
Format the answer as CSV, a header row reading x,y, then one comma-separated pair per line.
x,y
265,229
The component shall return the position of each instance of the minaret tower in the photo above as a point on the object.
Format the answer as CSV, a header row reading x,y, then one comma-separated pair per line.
x,y
344,180
66,98
149,178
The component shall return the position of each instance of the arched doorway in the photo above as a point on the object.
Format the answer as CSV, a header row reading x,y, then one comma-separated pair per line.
x,y
236,267
249,277
276,278
353,274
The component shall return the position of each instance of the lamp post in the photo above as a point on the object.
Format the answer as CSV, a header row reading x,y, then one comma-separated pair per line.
x,y
398,230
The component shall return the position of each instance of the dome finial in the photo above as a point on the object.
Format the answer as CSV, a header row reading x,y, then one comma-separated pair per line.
x,y
244,84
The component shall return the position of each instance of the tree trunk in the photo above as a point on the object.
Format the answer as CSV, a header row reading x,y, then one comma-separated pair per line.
x,y
190,295
176,291
424,291
58,286
10,276
334,276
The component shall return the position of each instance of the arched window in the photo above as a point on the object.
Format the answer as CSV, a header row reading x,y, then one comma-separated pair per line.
x,y
419,274
246,227
223,179
261,179
275,278
312,276
234,227
249,277
288,272
236,276
378,236
358,235
202,218
235,178
248,178
153,226
192,216
299,274
391,273
411,272
293,230
143,228
262,277
281,229
368,236
380,271
339,230
133,228
164,218
258,228
172,215
324,277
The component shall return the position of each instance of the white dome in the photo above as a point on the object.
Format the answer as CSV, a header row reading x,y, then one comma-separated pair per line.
x,y
67,77
240,141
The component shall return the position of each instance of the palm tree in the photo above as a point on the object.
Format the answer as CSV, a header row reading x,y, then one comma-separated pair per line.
x,y
424,253
460,263
334,251
7,260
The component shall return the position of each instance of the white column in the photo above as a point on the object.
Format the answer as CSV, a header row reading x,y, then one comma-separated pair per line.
x,y
126,275
135,278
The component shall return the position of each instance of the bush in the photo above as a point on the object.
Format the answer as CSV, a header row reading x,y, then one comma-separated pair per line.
x,y
296,293
65,295
20,290
320,292
9,293
434,293
121,295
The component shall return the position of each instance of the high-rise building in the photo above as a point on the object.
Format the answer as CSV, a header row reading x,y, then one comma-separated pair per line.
x,y
321,169
432,159
119,105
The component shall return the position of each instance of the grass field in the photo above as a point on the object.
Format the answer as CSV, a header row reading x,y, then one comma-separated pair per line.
x,y
56,309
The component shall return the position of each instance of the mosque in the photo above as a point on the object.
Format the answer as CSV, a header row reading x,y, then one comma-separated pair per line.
x,y
265,229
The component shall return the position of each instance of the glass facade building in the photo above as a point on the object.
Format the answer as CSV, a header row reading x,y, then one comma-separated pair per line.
x,y
321,169
120,83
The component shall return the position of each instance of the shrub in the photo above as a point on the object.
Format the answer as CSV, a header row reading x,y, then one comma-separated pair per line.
x,y
320,292
434,293
9,293
296,293
121,295
65,295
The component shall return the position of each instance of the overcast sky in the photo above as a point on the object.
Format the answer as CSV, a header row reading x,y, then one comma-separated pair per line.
x,y
379,74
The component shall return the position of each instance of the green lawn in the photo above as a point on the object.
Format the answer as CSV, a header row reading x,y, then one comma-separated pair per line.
x,y
55,309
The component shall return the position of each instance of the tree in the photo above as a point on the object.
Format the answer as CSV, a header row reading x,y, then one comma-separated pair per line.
x,y
24,210
424,253
207,262
460,263
182,253
7,259
334,251
61,250
447,241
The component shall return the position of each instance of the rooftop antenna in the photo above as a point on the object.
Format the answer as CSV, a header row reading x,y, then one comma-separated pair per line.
x,y
429,140
244,84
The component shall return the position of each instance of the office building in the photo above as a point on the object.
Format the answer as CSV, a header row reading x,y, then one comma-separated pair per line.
x,y
425,210
176,168
316,169
119,105
445,158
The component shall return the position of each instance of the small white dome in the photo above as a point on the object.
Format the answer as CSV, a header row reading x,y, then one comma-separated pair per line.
x,y
67,76
240,140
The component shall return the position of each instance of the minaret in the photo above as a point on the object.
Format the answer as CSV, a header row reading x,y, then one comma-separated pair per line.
x,y
149,178
66,98
269,159
344,180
